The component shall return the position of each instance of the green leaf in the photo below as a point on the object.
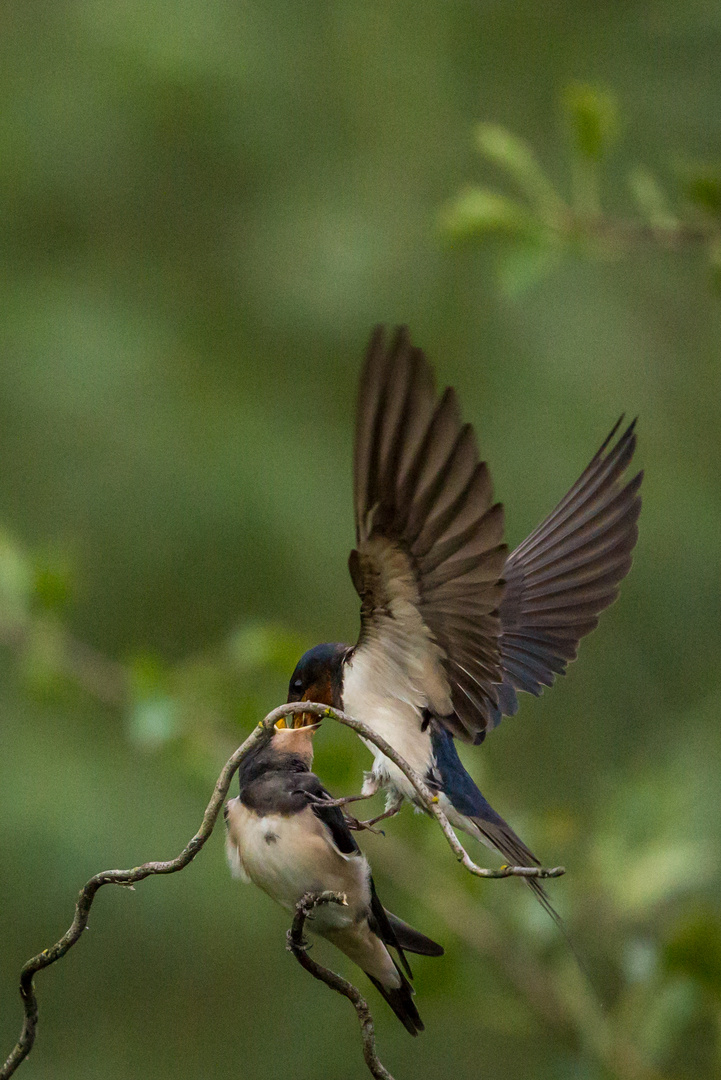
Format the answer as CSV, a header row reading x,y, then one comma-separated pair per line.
x,y
153,717
651,199
701,185
714,257
516,157
667,1017
257,646
153,721
592,118
16,579
479,212
694,948
53,583
521,266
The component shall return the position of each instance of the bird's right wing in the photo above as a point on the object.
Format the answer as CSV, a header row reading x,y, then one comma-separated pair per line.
x,y
429,546
568,570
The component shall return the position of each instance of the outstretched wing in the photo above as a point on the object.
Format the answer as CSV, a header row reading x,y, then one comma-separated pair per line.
x,y
429,543
568,570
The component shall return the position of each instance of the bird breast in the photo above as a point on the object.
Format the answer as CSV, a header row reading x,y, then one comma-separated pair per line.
x,y
390,709
288,855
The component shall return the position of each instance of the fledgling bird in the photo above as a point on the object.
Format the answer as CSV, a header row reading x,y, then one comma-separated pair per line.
x,y
281,836
452,625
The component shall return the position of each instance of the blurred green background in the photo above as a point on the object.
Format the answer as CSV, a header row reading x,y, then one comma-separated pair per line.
x,y
205,208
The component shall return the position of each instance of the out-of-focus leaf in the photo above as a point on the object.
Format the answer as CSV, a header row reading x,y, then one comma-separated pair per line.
x,y
479,212
153,715
516,157
651,199
694,948
639,959
259,645
149,675
701,185
16,578
714,255
593,119
52,583
153,721
42,660
666,1017
649,846
523,265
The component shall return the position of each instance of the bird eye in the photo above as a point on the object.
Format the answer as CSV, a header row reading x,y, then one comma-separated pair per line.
x,y
298,684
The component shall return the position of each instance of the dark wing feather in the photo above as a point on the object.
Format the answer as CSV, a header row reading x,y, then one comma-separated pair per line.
x,y
331,816
381,925
568,570
429,541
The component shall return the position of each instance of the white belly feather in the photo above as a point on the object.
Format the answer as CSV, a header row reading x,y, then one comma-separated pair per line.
x,y
289,855
389,706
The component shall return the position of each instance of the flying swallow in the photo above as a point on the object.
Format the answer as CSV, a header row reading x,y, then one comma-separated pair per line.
x,y
452,625
283,836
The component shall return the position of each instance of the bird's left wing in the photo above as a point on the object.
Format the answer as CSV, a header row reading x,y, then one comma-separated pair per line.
x,y
567,571
331,816
429,550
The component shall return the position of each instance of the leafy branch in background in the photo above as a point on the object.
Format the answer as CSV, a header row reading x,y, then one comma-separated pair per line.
x,y
542,227
644,868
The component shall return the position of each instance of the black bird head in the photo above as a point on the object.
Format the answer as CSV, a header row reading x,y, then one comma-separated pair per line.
x,y
318,676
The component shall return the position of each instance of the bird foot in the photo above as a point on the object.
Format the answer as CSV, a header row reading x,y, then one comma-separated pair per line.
x,y
343,801
361,826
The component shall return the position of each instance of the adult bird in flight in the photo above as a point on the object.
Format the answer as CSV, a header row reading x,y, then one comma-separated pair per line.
x,y
452,625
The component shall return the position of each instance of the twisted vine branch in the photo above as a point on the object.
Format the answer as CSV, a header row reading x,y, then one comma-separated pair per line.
x,y
299,948
128,877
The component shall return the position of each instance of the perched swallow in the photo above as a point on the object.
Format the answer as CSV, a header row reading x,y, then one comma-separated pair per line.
x,y
281,836
452,626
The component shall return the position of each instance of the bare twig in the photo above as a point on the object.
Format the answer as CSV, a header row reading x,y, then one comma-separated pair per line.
x,y
625,234
128,877
298,947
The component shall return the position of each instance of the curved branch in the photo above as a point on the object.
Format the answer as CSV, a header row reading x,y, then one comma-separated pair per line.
x,y
299,948
128,877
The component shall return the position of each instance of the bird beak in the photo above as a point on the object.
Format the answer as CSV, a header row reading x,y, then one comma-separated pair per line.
x,y
305,719
300,720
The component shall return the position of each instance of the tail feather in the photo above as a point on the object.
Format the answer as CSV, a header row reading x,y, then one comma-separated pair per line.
x,y
400,999
502,837
410,939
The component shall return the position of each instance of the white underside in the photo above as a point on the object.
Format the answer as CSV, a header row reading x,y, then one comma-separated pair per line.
x,y
288,856
393,710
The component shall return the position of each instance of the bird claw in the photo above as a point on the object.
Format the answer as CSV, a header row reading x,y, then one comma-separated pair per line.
x,y
343,801
361,826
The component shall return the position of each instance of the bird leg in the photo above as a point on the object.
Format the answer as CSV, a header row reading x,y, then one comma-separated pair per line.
x,y
360,826
343,801
390,811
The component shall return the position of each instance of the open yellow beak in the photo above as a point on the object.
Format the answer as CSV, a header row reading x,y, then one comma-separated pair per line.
x,y
299,720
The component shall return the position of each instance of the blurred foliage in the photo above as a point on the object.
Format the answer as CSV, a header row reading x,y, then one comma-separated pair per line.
x,y
206,207
546,226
